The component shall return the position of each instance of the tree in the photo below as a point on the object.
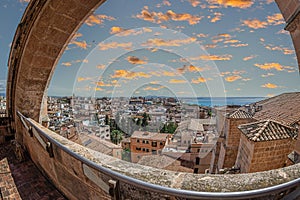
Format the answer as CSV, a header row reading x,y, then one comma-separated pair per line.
x,y
107,121
145,120
169,127
116,136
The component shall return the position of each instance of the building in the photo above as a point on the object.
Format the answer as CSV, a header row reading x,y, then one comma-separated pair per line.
x,y
264,145
230,144
147,143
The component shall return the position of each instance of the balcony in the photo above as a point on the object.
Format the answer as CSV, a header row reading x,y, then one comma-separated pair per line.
x,y
81,173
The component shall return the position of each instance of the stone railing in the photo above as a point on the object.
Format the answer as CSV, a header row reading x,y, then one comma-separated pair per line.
x,y
82,173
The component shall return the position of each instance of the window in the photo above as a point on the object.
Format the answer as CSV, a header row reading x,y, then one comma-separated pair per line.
x,y
138,141
197,161
154,144
161,143
138,148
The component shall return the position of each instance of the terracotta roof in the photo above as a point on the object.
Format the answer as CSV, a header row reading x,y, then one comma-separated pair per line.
x,y
267,130
240,114
284,108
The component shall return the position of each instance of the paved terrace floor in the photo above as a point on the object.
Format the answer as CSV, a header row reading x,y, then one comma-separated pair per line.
x,y
22,180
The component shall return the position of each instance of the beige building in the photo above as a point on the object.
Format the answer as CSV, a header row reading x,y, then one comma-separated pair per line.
x,y
264,145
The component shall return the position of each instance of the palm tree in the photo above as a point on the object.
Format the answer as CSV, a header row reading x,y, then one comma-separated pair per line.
x,y
116,136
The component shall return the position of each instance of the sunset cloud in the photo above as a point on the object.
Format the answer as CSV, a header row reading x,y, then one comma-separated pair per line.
x,y
249,57
232,78
269,66
254,23
190,68
81,44
162,42
270,85
158,17
177,81
101,66
79,79
135,60
217,17
102,84
284,50
275,19
213,57
233,3
153,88
199,80
129,75
97,19
114,45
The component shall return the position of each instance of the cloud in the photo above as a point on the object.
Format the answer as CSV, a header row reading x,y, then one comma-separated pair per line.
x,y
2,86
274,20
267,75
213,57
79,79
284,50
81,44
232,78
167,73
194,3
161,42
135,60
270,85
254,23
67,64
239,45
153,88
159,17
199,80
97,19
269,66
202,35
114,45
101,66
129,75
177,81
24,1
217,17
102,84
249,57
233,3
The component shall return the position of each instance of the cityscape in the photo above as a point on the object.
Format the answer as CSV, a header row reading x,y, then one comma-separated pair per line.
x,y
189,99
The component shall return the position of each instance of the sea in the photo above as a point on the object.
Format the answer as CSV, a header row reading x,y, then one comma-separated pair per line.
x,y
220,101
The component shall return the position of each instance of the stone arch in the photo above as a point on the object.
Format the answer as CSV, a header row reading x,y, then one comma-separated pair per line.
x,y
44,32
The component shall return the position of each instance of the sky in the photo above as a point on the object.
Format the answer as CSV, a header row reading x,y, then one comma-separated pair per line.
x,y
183,48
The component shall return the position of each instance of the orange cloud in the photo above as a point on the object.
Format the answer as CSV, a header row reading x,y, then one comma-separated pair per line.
x,y
202,35
194,3
233,3
162,42
158,17
210,46
79,79
97,19
166,73
67,64
213,57
199,80
255,23
135,60
284,50
153,88
129,75
268,66
231,41
249,57
100,66
270,85
82,44
275,19
239,45
114,45
102,84
177,81
232,78
217,17
190,68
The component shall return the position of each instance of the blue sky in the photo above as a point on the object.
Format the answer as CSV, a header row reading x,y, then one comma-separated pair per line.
x,y
181,48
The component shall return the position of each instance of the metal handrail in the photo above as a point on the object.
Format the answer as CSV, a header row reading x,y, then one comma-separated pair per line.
x,y
166,190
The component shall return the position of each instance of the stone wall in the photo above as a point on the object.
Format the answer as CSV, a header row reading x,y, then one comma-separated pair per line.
x,y
245,154
271,154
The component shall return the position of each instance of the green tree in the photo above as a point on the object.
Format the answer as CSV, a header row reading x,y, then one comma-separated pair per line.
x,y
116,136
107,120
169,127
145,120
